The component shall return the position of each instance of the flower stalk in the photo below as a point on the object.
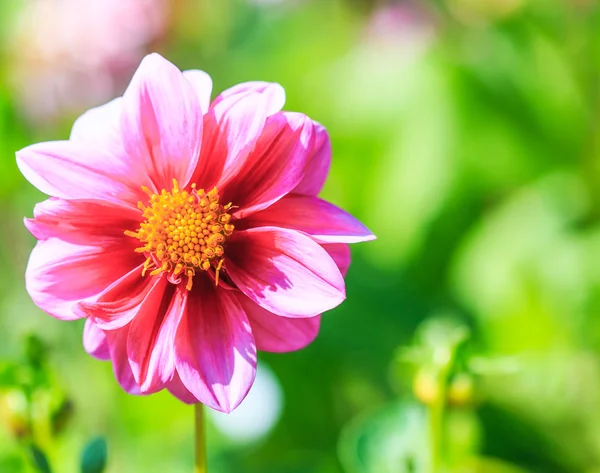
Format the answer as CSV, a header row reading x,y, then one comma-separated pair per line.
x,y
436,418
441,339
199,440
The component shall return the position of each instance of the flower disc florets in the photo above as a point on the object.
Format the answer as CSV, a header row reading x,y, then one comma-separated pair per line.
x,y
183,232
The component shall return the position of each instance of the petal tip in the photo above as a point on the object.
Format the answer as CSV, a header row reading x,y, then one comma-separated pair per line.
x,y
370,236
154,62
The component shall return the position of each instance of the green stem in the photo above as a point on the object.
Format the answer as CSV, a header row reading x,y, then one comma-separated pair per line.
x,y
436,425
437,410
200,440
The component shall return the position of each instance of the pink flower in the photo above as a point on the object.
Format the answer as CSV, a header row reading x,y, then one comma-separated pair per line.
x,y
188,233
67,55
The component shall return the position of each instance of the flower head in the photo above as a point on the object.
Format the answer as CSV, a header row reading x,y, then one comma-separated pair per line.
x,y
188,233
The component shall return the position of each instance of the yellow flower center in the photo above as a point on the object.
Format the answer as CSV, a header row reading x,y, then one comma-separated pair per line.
x,y
183,232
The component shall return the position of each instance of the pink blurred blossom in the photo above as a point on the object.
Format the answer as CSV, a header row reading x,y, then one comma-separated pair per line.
x,y
68,55
180,286
404,24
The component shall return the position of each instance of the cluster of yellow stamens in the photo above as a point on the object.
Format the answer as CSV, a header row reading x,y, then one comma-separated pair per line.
x,y
183,232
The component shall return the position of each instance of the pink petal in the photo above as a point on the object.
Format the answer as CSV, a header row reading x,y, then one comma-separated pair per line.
x,y
325,222
231,129
100,125
235,121
275,166
94,341
340,253
60,273
284,271
178,389
162,123
117,342
202,84
125,300
216,355
318,165
271,91
279,334
81,221
151,341
81,170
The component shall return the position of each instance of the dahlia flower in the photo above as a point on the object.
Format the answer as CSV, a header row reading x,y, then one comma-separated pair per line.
x,y
187,233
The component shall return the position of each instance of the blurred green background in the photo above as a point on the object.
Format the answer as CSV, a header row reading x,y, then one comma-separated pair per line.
x,y
466,135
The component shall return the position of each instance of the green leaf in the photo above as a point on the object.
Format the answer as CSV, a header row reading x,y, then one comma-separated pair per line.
x,y
93,458
390,440
36,351
39,459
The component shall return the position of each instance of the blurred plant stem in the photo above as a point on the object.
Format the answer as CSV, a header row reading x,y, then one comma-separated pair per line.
x,y
437,350
200,440
437,413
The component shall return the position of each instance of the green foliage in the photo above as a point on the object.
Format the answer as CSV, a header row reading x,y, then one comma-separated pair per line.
x,y
8,374
391,440
39,459
93,458
12,464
